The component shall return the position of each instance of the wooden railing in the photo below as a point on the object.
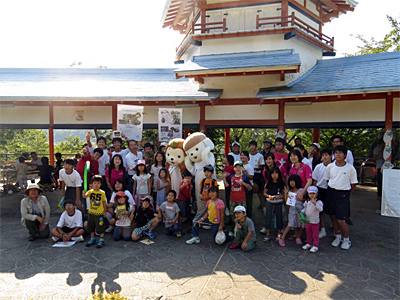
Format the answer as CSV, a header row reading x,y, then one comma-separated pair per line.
x,y
207,27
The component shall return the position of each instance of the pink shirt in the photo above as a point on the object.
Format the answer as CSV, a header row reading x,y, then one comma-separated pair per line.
x,y
304,171
282,160
115,174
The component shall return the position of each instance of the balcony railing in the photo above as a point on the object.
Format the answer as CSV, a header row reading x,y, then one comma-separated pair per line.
x,y
207,27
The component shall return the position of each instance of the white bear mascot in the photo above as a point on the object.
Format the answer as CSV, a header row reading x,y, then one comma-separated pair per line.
x,y
175,157
198,154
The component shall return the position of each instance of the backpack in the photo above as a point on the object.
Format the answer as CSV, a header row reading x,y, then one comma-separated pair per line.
x,y
202,184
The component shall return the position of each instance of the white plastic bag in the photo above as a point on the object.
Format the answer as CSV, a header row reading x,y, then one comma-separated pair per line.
x,y
220,237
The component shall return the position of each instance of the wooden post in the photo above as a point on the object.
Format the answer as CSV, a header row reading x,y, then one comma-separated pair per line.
x,y
316,134
389,115
114,116
202,20
284,13
202,117
257,22
227,140
223,25
281,117
51,134
186,131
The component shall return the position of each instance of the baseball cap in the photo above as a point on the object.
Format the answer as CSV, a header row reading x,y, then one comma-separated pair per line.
x,y
163,144
121,194
238,163
240,209
316,145
208,168
268,141
312,189
141,162
235,143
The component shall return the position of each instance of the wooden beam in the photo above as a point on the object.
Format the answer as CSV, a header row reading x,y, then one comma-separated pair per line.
x,y
202,117
235,122
231,4
305,9
227,140
114,116
330,4
281,115
180,12
239,74
284,12
316,134
51,134
389,115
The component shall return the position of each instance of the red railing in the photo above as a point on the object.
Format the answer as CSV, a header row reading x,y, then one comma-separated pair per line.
x,y
207,27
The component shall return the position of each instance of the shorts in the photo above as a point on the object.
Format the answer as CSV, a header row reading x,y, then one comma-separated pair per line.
x,y
338,203
139,230
183,208
258,179
94,224
232,206
66,229
322,195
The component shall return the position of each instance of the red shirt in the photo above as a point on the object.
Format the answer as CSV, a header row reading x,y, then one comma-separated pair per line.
x,y
230,170
185,193
282,160
238,191
94,166
115,174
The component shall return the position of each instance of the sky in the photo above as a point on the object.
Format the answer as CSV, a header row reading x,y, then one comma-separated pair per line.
x,y
129,33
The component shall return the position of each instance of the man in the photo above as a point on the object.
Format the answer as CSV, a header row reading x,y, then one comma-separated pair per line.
x,y
36,161
337,140
235,151
267,147
131,160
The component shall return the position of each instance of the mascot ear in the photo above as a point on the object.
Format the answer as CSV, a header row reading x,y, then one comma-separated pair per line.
x,y
204,155
209,143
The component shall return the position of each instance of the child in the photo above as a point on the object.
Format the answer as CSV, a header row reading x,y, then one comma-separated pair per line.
x,y
293,218
214,214
70,225
155,170
273,192
170,211
248,170
312,209
245,233
46,175
148,155
124,215
281,157
22,174
205,184
142,182
115,171
162,187
184,197
322,184
71,183
146,219
227,172
342,179
97,211
57,168
238,184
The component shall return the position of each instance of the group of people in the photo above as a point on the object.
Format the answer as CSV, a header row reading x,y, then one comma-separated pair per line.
x,y
130,194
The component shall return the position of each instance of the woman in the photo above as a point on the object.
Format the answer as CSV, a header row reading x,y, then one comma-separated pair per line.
x,y
35,212
301,169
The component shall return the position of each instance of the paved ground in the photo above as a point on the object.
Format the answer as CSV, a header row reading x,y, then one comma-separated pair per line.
x,y
170,269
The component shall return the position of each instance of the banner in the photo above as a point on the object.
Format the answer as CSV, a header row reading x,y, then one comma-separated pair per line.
x,y
169,124
391,193
130,121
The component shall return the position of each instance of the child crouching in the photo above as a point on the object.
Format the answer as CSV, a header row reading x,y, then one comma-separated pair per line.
x,y
146,219
245,232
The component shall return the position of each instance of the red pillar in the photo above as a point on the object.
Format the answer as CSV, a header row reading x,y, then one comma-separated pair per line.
x,y
202,117
114,116
186,131
281,117
51,134
389,115
227,140
316,134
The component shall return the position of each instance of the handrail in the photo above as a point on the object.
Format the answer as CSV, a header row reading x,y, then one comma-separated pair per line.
x,y
207,27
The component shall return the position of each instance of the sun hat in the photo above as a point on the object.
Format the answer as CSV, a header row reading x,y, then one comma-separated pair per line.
x,y
312,189
121,194
235,143
238,163
33,186
208,168
240,208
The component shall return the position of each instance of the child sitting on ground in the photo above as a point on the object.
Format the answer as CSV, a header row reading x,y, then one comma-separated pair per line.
x,y
97,211
124,215
312,209
205,184
184,197
69,226
170,211
245,232
146,219
214,214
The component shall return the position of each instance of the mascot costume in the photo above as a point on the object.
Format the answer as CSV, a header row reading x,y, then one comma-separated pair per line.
x,y
175,157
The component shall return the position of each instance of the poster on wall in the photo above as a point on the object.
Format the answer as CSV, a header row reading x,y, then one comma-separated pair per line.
x,y
169,124
80,115
130,121
391,193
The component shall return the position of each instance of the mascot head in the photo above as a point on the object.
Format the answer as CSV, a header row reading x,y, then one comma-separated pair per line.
x,y
195,144
174,153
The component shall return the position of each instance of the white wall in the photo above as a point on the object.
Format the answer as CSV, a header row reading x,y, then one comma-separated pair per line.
x,y
242,112
24,115
92,114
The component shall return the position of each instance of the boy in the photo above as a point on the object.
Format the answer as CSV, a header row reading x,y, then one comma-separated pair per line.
x,y
281,157
322,184
97,211
248,170
238,184
70,225
46,175
337,140
342,179
170,211
71,180
104,160
148,155
245,233
146,219
214,215
227,172
205,184
57,168
93,159
131,160
184,197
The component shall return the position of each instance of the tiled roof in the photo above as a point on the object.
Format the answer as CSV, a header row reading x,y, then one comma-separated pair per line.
x,y
245,60
102,84
365,73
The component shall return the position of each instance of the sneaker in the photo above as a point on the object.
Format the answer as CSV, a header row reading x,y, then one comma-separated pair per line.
x,y
100,244
193,240
55,239
231,234
263,230
267,238
91,242
150,234
31,238
78,239
282,243
313,249
298,241
307,247
227,212
346,244
234,246
110,229
336,242
178,235
322,234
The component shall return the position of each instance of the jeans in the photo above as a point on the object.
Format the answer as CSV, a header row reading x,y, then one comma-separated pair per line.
x,y
277,209
195,227
33,228
172,229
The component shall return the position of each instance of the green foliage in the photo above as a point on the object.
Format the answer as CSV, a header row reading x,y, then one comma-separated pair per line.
x,y
23,140
391,41
70,145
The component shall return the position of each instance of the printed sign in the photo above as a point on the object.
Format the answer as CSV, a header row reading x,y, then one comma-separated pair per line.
x,y
291,200
130,121
391,193
80,115
169,124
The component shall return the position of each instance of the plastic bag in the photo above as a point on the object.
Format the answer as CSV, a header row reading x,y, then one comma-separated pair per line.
x,y
220,237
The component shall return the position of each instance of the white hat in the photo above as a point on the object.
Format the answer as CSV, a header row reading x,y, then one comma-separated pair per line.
x,y
240,209
163,144
235,143
33,186
316,145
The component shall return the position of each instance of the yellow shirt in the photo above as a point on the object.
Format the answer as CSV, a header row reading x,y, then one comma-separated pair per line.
x,y
96,200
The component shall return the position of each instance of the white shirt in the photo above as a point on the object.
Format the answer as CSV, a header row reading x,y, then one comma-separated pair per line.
x,y
236,157
71,221
349,158
70,180
103,161
256,161
250,171
123,153
128,193
318,175
340,178
307,161
131,161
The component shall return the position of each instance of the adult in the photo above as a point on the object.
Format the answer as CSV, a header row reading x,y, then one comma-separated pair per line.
x,y
267,147
257,162
337,140
235,151
313,155
302,151
378,157
248,170
36,161
131,160
304,171
35,212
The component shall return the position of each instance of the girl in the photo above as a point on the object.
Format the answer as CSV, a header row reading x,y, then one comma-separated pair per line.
x,y
273,192
269,163
115,171
294,190
142,182
312,208
155,170
124,215
162,186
